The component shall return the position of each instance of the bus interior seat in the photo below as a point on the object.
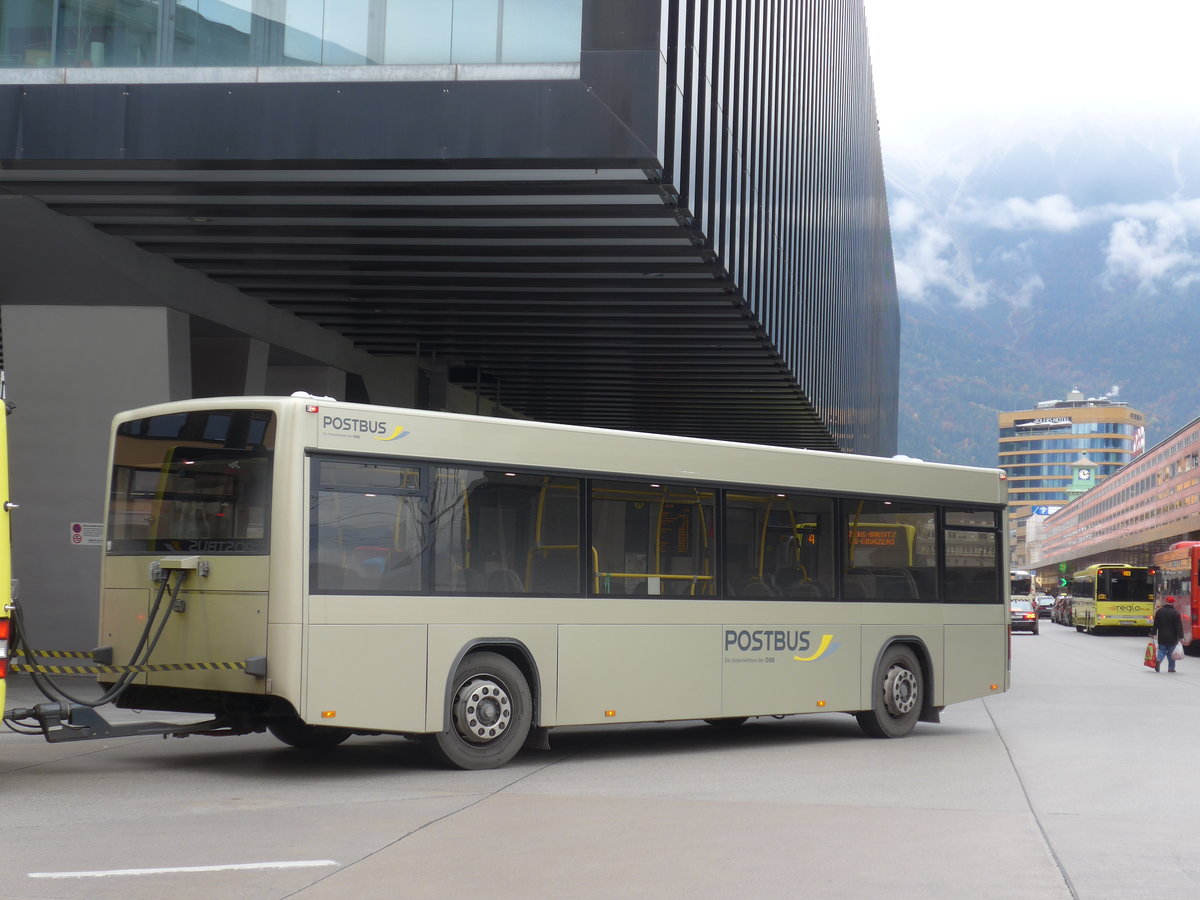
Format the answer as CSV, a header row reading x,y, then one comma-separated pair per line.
x,y
896,584
755,588
554,570
474,581
505,581
805,590
400,574
787,577
858,587
887,582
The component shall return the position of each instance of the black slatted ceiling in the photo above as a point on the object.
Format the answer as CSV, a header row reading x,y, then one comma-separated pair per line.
x,y
579,296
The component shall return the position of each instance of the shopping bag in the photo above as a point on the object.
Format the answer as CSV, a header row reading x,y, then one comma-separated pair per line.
x,y
1151,655
1177,653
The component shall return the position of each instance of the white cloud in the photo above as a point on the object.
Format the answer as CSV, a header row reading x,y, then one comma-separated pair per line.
x,y
904,215
1148,244
930,263
945,66
1026,291
1053,213
1154,253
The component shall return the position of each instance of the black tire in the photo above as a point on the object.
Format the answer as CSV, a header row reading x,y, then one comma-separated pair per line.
x,y
1079,628
296,733
727,721
491,711
1036,629
898,695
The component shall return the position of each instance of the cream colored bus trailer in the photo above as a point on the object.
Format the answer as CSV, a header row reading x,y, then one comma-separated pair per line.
x,y
478,581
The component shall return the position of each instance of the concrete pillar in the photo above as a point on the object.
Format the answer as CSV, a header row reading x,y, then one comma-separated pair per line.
x,y
229,366
69,370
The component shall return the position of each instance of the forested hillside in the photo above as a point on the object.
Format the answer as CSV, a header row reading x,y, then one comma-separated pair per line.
x,y
1037,270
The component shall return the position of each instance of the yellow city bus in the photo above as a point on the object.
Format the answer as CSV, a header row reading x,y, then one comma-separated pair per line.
x,y
477,581
1112,595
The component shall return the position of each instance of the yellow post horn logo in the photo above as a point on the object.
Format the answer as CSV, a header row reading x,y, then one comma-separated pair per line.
x,y
397,432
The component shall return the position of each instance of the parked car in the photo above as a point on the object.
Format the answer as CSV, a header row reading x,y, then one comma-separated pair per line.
x,y
1022,615
1045,605
1062,611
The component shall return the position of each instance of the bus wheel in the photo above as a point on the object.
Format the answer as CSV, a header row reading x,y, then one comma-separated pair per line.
x,y
896,705
296,733
727,721
491,709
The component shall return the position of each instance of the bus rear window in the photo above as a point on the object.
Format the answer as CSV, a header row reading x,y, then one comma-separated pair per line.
x,y
198,482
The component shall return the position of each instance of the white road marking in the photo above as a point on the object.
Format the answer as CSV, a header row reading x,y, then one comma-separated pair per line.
x,y
233,867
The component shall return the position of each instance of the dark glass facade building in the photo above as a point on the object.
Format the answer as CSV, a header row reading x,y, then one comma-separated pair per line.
x,y
662,216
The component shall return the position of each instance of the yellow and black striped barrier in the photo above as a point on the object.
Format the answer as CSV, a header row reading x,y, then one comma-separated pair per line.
x,y
30,668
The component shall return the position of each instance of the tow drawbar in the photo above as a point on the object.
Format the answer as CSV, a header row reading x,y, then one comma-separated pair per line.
x,y
61,722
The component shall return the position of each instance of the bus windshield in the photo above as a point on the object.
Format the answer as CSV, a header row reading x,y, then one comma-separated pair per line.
x,y
192,482
1020,583
1123,584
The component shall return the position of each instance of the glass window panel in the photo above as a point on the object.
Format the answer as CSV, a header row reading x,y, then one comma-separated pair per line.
x,y
505,533
778,544
891,551
418,31
213,33
651,539
303,26
475,32
25,33
971,573
368,528
971,518
98,33
541,31
197,484
346,35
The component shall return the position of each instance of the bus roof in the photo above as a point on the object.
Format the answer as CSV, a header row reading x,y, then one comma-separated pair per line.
x,y
646,453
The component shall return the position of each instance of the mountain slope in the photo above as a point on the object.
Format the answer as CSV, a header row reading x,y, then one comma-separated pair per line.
x,y
1037,269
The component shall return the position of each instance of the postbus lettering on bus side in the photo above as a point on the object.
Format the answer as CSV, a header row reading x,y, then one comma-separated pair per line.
x,y
773,640
349,426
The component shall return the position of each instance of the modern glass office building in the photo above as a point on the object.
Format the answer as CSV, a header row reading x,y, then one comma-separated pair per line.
x,y
656,215
1038,446
219,33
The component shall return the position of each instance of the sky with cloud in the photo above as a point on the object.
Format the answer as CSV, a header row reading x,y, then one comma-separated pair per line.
x,y
955,79
942,65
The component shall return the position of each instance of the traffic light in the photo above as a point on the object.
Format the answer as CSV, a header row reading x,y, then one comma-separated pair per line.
x,y
1062,581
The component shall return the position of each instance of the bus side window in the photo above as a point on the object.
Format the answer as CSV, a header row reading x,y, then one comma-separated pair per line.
x,y
367,528
505,533
970,560
652,540
894,545
778,544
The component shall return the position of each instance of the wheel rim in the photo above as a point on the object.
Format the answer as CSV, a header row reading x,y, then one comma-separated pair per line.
x,y
900,691
482,710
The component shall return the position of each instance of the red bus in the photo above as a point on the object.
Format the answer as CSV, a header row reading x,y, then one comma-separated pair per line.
x,y
1177,567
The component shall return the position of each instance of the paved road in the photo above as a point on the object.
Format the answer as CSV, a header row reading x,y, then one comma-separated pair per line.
x,y
1072,784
